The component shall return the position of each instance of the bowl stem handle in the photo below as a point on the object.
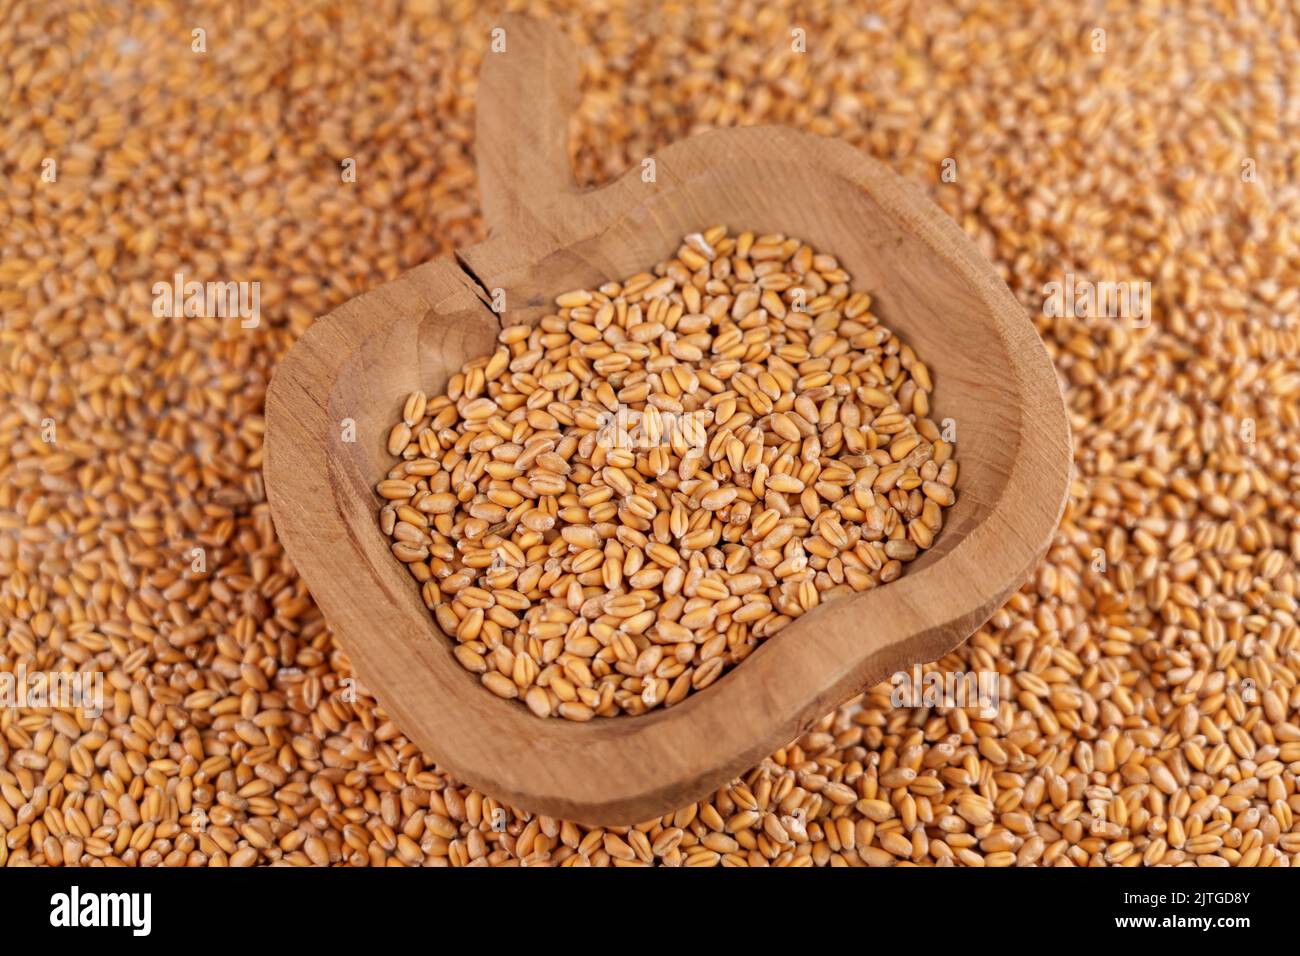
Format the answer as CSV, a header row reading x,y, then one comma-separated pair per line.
x,y
528,89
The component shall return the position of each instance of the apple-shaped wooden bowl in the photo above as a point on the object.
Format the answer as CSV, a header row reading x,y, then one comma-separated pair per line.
x,y
991,372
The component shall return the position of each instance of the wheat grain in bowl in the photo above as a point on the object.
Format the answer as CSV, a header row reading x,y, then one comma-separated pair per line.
x,y
622,501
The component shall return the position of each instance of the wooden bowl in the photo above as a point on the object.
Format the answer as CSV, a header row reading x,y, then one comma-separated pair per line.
x,y
991,372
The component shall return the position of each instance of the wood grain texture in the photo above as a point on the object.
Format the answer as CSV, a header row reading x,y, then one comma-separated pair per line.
x,y
992,375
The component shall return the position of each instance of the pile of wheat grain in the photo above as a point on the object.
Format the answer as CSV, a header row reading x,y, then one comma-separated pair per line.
x,y
1149,669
